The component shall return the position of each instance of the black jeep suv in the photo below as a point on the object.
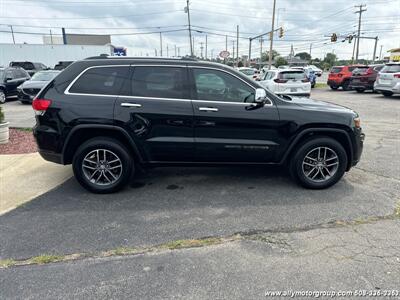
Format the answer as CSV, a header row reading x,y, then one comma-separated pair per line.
x,y
107,116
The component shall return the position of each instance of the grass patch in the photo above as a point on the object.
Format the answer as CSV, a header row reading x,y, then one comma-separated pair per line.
x,y
122,251
397,210
5,263
25,129
320,85
180,244
45,259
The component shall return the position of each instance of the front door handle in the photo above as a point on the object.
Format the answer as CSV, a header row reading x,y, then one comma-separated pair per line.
x,y
208,109
126,104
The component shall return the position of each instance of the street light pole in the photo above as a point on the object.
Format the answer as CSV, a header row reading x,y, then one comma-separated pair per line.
x,y
160,44
271,36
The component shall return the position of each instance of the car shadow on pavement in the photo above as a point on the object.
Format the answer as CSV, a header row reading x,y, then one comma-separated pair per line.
x,y
167,204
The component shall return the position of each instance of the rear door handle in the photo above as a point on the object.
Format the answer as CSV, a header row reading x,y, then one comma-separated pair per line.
x,y
126,104
208,109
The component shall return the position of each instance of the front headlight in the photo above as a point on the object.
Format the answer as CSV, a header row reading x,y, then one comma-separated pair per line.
x,y
357,122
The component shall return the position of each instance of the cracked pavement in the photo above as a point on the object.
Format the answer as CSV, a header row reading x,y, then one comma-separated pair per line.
x,y
171,204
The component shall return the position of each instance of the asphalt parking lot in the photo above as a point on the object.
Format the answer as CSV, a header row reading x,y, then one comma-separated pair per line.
x,y
170,204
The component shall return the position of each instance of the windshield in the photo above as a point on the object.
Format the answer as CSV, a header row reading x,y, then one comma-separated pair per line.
x,y
391,69
336,70
44,76
1,74
247,71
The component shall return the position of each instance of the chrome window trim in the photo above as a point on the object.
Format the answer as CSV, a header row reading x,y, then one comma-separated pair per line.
x,y
67,92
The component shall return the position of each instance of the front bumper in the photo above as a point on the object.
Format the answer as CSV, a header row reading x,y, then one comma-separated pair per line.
x,y
358,146
25,97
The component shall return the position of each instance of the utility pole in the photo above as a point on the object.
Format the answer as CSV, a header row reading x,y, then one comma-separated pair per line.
x,y
237,44
261,48
233,49
206,47
175,50
12,33
187,10
250,40
354,50
380,53
167,51
376,44
201,49
51,37
179,51
155,51
361,9
226,43
310,49
272,36
160,44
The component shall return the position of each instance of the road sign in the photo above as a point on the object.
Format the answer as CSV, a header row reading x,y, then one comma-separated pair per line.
x,y
224,54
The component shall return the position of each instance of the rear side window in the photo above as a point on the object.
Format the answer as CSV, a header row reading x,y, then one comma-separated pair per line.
x,y
391,69
336,70
159,82
101,80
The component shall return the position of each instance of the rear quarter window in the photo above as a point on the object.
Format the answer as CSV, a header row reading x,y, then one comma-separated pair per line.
x,y
100,80
336,70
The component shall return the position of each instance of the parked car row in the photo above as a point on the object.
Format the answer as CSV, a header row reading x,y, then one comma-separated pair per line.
x,y
24,79
384,79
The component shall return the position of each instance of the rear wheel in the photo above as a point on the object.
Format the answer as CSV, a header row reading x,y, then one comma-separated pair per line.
x,y
2,97
346,85
319,163
387,94
102,165
333,87
360,90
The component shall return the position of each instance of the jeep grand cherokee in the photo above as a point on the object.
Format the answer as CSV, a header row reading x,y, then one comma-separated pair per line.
x,y
108,116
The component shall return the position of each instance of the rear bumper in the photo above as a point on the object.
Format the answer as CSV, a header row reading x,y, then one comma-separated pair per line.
x,y
364,86
48,142
388,88
51,156
334,82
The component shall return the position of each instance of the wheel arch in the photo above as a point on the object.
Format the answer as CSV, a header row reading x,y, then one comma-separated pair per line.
x,y
340,135
82,133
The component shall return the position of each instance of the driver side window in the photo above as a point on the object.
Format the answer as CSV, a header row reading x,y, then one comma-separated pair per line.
x,y
214,85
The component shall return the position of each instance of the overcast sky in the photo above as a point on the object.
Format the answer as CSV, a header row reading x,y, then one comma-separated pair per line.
x,y
305,22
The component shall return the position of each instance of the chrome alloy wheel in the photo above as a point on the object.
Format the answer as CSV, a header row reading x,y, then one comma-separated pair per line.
x,y
320,164
2,97
102,167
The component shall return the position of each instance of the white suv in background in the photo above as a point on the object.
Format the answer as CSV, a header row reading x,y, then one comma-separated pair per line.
x,y
316,70
292,82
388,80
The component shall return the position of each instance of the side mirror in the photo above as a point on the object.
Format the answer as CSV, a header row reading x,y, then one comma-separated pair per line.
x,y
261,94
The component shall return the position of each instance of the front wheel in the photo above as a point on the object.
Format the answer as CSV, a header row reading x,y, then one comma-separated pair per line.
x,y
333,87
387,94
319,163
346,85
102,165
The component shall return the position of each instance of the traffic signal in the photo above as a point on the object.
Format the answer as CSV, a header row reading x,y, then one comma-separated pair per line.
x,y
334,37
281,32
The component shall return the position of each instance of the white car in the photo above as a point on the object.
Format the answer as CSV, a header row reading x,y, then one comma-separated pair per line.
x,y
292,82
249,72
316,70
388,80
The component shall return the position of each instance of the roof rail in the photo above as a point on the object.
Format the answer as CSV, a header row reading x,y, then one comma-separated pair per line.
x,y
105,56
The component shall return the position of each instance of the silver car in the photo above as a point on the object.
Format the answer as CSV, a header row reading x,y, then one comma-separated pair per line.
x,y
388,80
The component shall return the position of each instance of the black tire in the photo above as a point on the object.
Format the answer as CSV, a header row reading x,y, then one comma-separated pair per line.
x,y
346,85
333,87
112,147
297,169
360,90
24,102
387,94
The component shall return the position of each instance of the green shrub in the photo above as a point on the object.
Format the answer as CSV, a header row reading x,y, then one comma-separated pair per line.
x,y
1,115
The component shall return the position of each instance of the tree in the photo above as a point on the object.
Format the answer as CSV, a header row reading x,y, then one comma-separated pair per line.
x,y
280,61
240,64
303,56
330,59
265,56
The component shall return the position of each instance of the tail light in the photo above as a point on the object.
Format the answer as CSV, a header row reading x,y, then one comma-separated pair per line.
x,y
396,75
40,105
340,75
